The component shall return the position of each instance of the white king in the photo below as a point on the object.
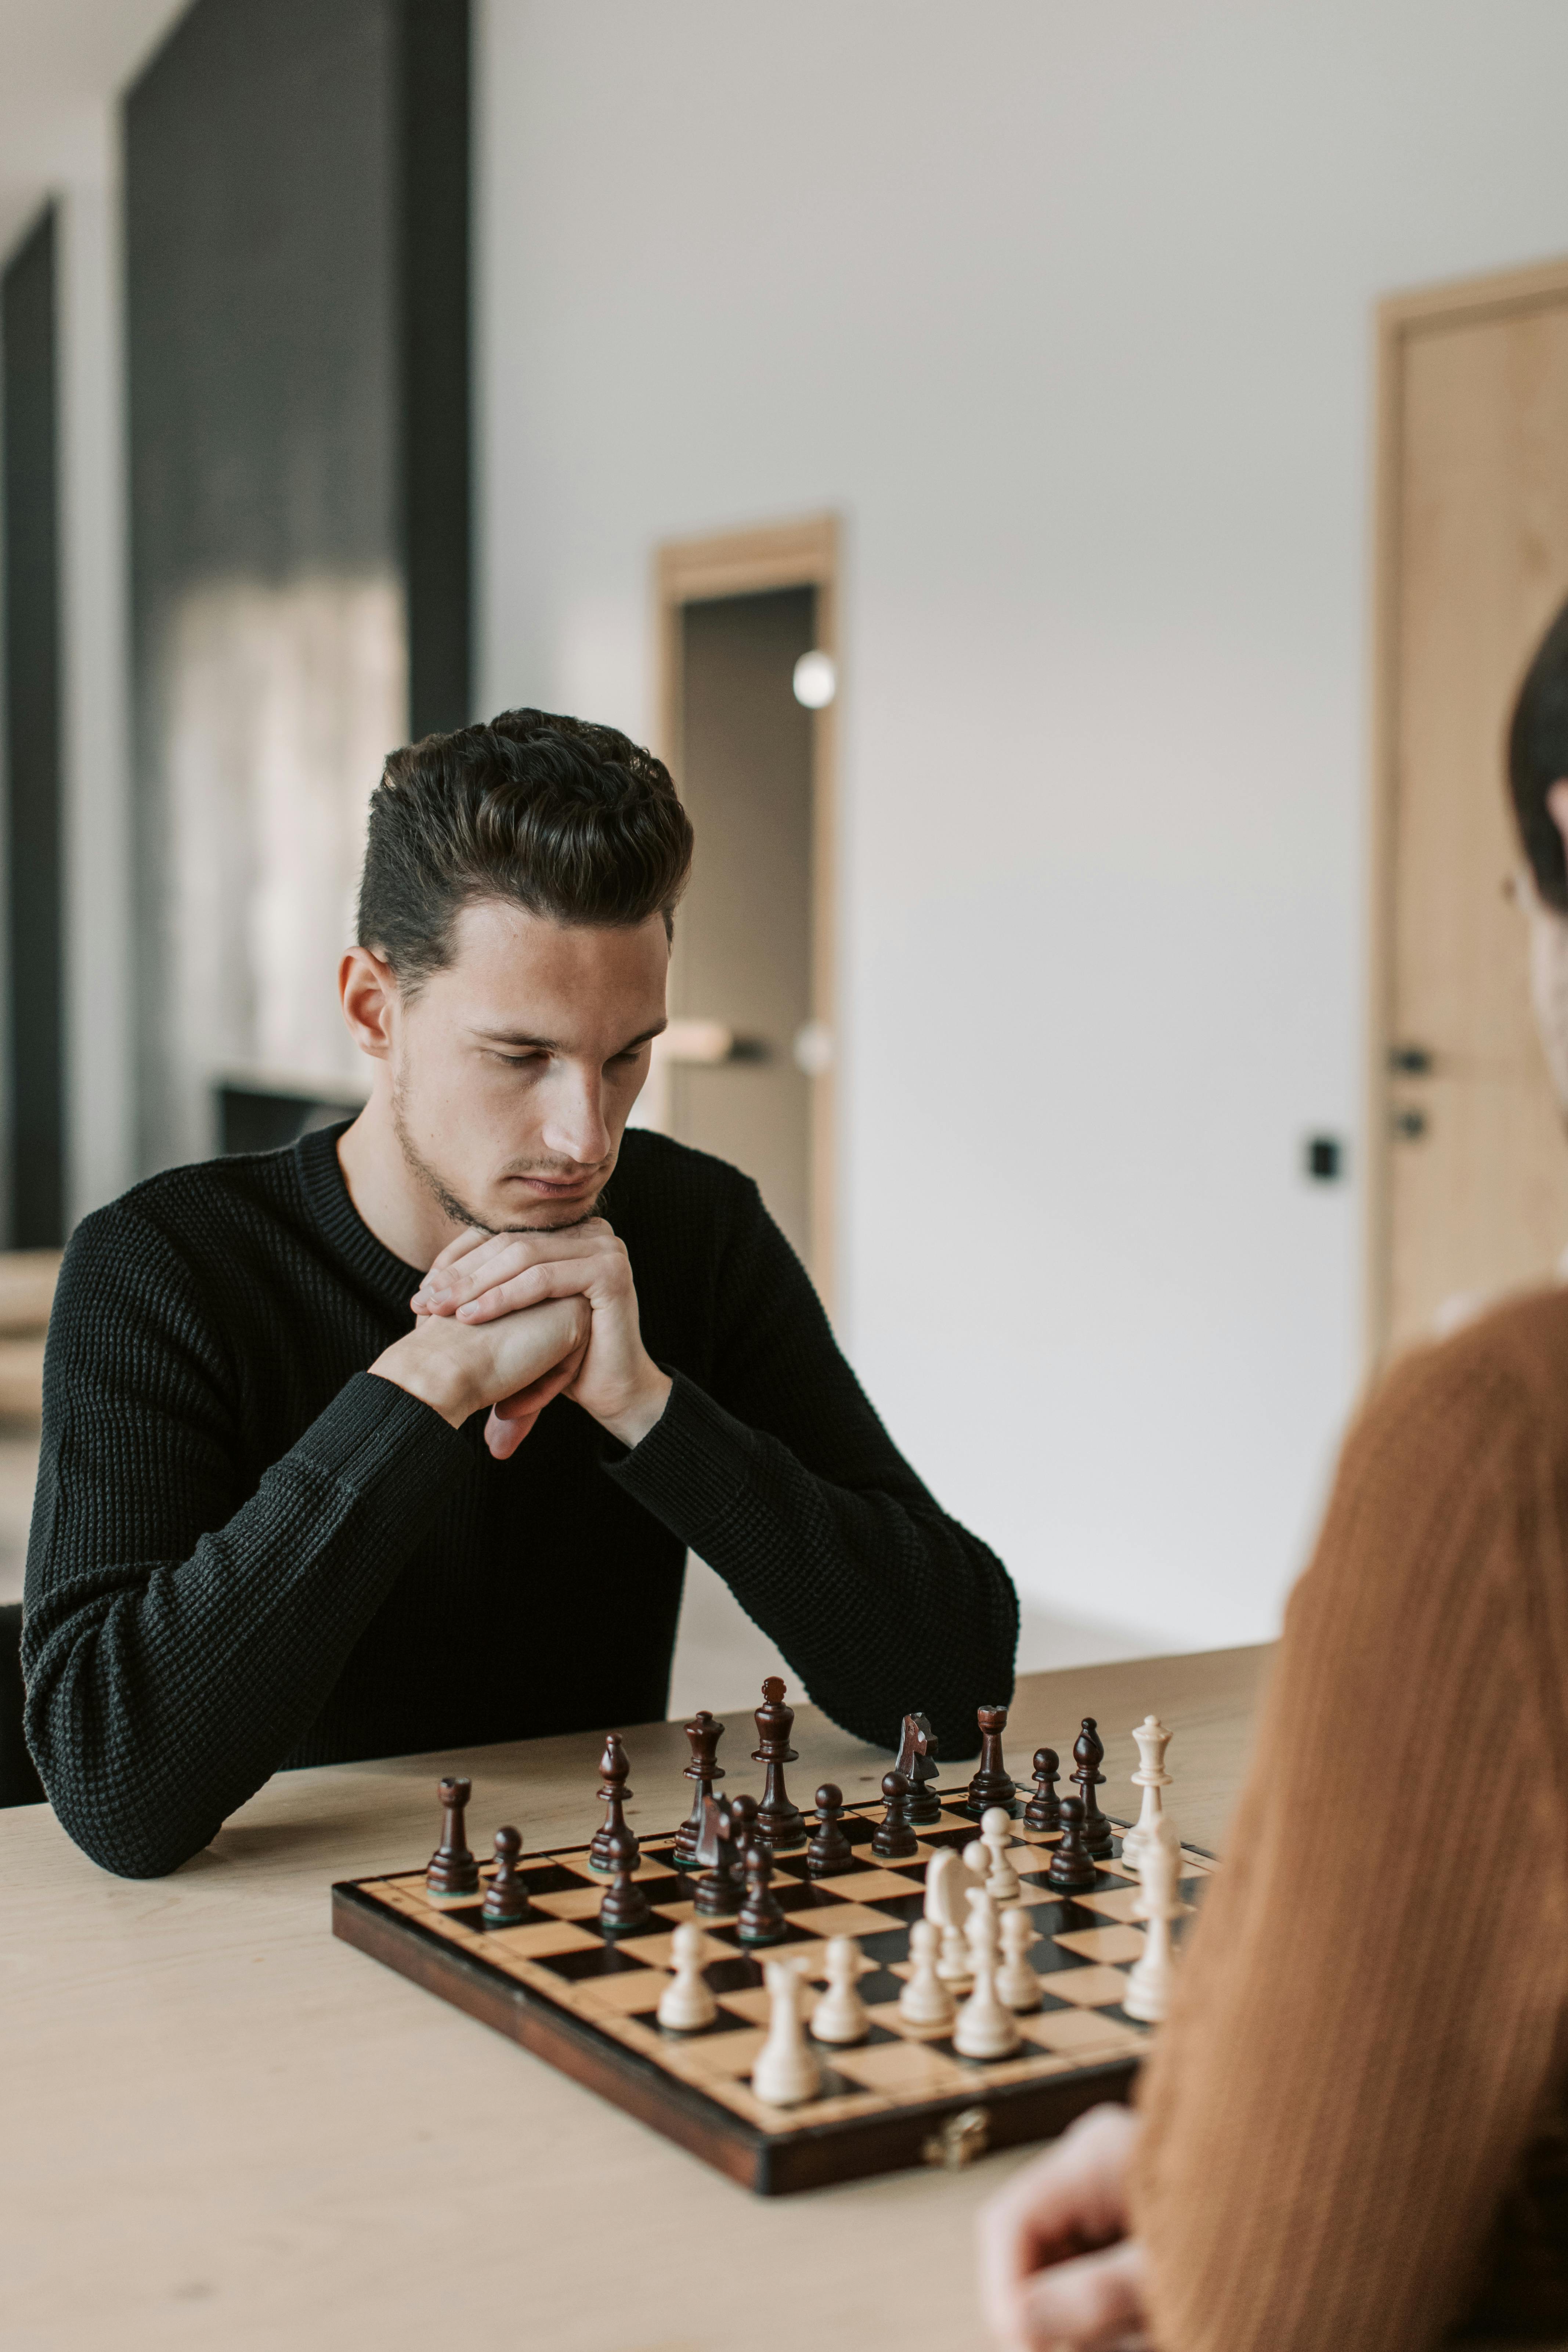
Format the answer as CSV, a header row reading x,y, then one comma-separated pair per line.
x,y
1152,1778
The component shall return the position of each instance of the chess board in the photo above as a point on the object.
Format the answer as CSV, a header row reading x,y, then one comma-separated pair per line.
x,y
904,2096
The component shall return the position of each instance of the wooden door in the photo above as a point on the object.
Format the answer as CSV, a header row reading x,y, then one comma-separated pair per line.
x,y
1469,1164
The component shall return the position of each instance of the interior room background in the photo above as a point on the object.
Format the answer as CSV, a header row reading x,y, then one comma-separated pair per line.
x,y
1066,317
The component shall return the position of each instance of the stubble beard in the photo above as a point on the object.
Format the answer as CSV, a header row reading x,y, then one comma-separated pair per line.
x,y
432,1181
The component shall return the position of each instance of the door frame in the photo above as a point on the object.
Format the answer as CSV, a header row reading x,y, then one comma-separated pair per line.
x,y
1400,318
800,554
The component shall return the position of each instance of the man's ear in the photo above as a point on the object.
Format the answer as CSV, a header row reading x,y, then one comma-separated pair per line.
x,y
367,989
1557,806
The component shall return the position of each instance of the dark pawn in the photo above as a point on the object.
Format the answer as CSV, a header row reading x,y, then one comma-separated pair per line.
x,y
742,1837
506,1897
717,1893
895,1839
762,1920
1072,1870
613,1767
624,1905
704,1735
453,1870
993,1783
1088,1754
1044,1810
779,1822
916,1759
829,1848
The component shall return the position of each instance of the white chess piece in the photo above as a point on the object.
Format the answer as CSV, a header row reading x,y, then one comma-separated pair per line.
x,y
977,1859
840,2015
944,1906
1151,1777
985,2028
1017,1986
1149,1983
996,1836
787,2074
925,2000
686,2005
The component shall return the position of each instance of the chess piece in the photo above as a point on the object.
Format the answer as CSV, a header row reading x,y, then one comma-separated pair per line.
x,y
787,2071
1152,1776
613,1767
743,1836
625,1905
840,2015
993,1783
1017,1986
829,1849
895,1840
704,1735
718,1893
780,1821
453,1875
946,1880
762,1919
506,1897
916,1759
1044,1810
1001,1878
1150,1981
1088,1754
985,2028
1072,1870
976,1859
925,2000
686,2005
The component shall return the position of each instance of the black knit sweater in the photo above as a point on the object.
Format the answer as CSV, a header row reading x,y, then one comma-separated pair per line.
x,y
247,1551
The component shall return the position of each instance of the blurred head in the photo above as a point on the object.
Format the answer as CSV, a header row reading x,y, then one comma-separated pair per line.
x,y
515,914
1538,780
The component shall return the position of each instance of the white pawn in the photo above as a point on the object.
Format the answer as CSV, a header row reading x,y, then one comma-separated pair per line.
x,y
996,1836
686,2005
1149,1983
1017,1986
925,2000
977,1859
840,2015
787,2074
985,2028
944,1906
1151,1777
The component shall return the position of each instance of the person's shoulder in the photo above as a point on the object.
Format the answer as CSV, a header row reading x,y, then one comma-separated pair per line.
x,y
1500,1380
199,1206
656,1176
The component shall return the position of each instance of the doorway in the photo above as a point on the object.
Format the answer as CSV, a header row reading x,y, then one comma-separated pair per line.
x,y
749,692
1468,1164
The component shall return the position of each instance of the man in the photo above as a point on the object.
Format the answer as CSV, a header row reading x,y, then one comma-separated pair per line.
x,y
396,1440
1353,2131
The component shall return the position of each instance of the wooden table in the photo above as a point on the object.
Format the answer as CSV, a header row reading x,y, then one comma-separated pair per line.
x,y
222,2128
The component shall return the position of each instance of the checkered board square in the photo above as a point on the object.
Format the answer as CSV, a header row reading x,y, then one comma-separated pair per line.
x,y
586,2001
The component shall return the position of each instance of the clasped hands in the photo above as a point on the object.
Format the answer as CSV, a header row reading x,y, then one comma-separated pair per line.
x,y
1058,2271
510,1321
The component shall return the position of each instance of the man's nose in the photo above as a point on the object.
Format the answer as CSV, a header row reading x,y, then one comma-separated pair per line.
x,y
575,1127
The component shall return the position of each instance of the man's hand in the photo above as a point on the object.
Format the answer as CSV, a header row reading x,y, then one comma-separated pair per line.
x,y
1058,2271
525,1358
481,1277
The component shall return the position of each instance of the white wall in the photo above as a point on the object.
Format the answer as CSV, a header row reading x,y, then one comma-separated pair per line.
x,y
1067,310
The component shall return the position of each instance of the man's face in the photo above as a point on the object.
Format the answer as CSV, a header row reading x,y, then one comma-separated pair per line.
x,y
514,1068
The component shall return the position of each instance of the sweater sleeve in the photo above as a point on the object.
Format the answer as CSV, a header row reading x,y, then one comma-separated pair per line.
x,y
182,1633
1370,2025
781,1476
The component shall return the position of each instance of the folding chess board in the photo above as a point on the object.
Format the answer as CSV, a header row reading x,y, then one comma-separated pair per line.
x,y
903,2096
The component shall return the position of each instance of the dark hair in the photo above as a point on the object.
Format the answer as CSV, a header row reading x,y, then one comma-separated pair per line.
x,y
570,820
1538,759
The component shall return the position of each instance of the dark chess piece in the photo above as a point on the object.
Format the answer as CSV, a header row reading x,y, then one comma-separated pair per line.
x,y
704,1735
453,1872
1072,1870
762,1919
1043,1811
895,1840
780,1821
624,1905
1088,1754
717,1893
829,1848
916,1759
993,1783
506,1897
613,1767
742,1837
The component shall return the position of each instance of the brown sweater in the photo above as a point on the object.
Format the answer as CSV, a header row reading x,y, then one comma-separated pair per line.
x,y
1355,2132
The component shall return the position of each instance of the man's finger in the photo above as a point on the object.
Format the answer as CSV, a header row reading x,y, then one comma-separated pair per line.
x,y
510,1254
568,1278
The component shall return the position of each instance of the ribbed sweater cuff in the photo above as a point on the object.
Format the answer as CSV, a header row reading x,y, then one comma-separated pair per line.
x,y
691,1466
381,1442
